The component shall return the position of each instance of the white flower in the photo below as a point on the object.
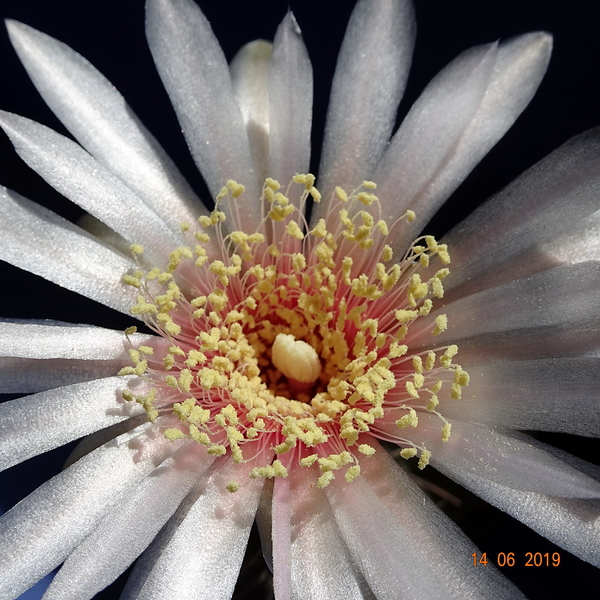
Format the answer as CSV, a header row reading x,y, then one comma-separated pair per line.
x,y
376,342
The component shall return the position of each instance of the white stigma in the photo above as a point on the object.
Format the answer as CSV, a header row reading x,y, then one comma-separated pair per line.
x,y
295,359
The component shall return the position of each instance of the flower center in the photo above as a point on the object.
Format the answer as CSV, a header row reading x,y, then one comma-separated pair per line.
x,y
298,361
290,342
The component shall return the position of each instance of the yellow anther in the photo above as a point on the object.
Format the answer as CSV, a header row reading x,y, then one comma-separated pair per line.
x,y
130,280
281,199
409,420
366,198
441,324
405,316
363,289
425,308
341,194
325,479
449,354
407,453
446,430
430,361
279,212
307,179
319,230
424,459
232,486
352,473
383,227
174,434
299,262
315,194
397,350
294,230
237,189
366,450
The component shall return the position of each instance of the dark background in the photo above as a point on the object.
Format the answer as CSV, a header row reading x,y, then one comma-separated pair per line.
x,y
110,33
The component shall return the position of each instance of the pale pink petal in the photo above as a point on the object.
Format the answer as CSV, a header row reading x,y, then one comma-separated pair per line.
x,y
369,81
40,356
30,375
199,552
429,135
249,75
103,556
100,119
40,532
518,70
39,241
196,76
321,564
405,546
290,103
572,523
68,168
38,423
282,539
542,395
53,339
576,246
558,305
505,457
497,243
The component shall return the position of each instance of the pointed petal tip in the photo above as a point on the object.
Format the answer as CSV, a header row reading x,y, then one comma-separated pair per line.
x,y
543,40
540,42
16,29
290,19
22,36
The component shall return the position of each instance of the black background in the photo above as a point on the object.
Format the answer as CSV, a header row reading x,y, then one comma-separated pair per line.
x,y
110,33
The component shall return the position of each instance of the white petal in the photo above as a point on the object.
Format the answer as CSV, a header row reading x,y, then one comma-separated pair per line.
x,y
65,340
40,356
520,66
39,241
576,246
564,240
429,134
249,75
543,395
321,565
369,81
290,103
100,119
558,305
550,199
199,552
196,76
572,523
38,423
39,532
386,521
510,459
281,537
30,375
68,168
122,537
103,436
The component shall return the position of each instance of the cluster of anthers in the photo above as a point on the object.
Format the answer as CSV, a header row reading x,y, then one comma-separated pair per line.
x,y
293,341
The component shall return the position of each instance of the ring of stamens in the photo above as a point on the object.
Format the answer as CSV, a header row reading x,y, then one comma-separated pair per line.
x,y
330,299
